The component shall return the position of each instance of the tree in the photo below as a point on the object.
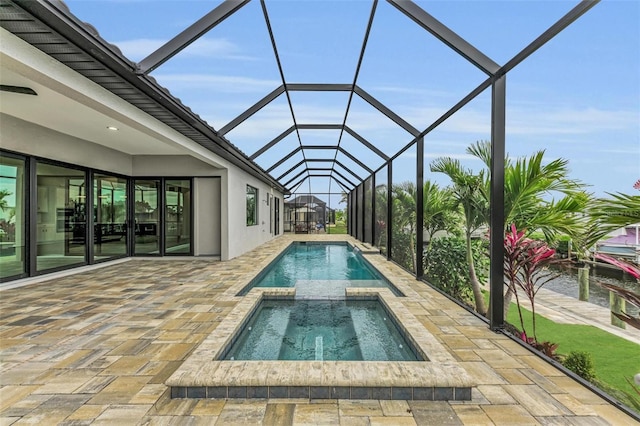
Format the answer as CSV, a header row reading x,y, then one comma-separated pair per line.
x,y
468,194
608,214
439,213
380,227
403,196
3,203
529,184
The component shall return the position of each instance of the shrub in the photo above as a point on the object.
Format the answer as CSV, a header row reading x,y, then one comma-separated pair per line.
x,y
445,266
580,363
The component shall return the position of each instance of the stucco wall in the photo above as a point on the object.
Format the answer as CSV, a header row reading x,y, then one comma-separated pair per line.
x,y
171,165
28,138
206,217
240,237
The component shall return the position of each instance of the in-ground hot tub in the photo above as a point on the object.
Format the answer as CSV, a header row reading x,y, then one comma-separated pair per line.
x,y
205,374
321,330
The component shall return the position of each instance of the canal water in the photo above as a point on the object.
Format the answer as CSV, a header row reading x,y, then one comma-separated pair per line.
x,y
567,283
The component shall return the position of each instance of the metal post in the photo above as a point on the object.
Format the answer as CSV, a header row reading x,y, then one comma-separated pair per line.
x,y
90,222
362,211
496,221
419,207
32,217
373,209
389,208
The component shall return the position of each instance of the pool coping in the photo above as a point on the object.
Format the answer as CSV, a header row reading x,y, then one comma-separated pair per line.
x,y
202,375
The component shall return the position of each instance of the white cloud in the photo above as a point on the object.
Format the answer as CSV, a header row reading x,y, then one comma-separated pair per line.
x,y
215,48
207,83
452,155
412,91
578,121
262,127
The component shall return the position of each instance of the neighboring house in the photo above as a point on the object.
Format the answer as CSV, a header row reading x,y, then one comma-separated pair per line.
x,y
103,163
304,212
625,242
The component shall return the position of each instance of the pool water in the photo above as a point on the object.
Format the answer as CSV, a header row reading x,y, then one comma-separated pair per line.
x,y
328,330
320,270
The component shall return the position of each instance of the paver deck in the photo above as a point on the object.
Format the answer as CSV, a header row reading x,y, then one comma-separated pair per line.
x,y
97,348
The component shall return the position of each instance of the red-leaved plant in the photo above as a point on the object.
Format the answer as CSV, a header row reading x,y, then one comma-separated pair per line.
x,y
628,295
525,269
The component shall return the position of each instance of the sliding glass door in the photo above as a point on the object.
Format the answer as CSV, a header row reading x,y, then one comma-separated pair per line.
x,y
12,217
109,216
177,216
162,216
146,214
55,216
61,217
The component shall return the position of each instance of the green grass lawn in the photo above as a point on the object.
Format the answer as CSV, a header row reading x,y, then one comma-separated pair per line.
x,y
614,358
338,228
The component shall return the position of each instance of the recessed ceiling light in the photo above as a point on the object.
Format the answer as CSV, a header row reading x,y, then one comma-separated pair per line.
x,y
114,128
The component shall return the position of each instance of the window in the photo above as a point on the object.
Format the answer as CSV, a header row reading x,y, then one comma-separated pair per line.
x,y
252,205
12,217
109,216
146,214
61,217
177,234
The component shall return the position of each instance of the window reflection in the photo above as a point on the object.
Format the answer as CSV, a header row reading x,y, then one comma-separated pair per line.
x,y
252,205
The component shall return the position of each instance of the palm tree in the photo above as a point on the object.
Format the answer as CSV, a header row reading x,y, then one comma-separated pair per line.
x,y
468,194
608,214
438,210
381,216
403,197
528,183
3,203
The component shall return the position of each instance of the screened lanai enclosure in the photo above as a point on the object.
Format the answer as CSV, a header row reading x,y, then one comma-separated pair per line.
x,y
317,102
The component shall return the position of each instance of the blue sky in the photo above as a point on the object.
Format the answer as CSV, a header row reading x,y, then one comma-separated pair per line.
x,y
578,97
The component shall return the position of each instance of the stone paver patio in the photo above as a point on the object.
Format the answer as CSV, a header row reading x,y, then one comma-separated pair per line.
x,y
97,347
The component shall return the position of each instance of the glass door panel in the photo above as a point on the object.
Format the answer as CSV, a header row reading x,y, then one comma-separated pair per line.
x,y
12,214
147,216
109,216
61,217
178,216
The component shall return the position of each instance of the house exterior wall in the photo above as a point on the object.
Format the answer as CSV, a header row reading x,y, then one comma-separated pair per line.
x,y
220,227
207,240
28,138
171,165
240,237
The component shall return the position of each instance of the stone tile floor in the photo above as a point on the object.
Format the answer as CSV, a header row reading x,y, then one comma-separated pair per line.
x,y
97,347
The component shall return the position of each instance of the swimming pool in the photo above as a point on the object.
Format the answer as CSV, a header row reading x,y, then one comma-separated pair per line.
x,y
209,372
321,330
320,270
